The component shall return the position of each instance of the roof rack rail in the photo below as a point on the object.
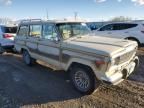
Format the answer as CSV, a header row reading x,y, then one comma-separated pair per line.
x,y
30,20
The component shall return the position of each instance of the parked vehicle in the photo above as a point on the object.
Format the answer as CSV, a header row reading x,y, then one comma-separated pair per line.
x,y
127,30
69,46
7,34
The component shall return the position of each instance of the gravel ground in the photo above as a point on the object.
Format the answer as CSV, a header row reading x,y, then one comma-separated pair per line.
x,y
40,87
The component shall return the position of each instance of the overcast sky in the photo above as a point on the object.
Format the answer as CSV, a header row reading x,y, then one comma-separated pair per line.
x,y
88,9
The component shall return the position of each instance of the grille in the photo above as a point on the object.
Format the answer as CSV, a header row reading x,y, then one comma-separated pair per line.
x,y
124,58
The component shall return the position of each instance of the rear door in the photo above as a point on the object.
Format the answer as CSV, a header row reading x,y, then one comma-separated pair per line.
x,y
49,45
117,30
123,30
35,33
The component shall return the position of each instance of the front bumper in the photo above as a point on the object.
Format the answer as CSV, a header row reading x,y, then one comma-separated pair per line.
x,y
122,73
8,48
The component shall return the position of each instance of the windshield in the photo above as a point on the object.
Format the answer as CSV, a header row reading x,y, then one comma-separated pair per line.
x,y
68,30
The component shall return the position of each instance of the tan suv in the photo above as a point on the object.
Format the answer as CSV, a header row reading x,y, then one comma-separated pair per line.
x,y
70,46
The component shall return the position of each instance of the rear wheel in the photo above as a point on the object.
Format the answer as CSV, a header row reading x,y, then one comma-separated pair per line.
x,y
27,58
83,79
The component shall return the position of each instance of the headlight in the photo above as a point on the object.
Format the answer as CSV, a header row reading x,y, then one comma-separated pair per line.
x,y
102,64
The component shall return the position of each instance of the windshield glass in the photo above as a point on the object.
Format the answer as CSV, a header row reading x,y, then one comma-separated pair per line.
x,y
68,30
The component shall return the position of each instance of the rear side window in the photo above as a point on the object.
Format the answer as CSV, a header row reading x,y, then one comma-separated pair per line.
x,y
23,30
130,26
123,26
10,29
35,30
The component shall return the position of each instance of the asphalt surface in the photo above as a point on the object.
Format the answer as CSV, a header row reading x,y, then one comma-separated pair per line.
x,y
39,86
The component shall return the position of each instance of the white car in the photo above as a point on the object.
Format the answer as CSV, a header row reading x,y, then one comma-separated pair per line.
x,y
126,30
7,34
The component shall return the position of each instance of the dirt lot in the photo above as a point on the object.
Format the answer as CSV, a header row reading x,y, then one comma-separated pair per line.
x,y
40,87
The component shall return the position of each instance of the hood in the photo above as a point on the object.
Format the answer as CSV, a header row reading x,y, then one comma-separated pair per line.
x,y
99,45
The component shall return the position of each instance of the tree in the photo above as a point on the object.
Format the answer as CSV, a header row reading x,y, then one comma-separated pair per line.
x,y
6,21
121,18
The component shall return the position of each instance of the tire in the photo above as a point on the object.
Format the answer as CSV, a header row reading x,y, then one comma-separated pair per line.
x,y
27,58
1,50
83,79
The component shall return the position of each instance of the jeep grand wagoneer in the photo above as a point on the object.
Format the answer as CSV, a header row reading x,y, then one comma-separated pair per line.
x,y
70,46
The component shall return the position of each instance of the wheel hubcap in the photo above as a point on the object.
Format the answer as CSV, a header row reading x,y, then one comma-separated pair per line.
x,y
82,80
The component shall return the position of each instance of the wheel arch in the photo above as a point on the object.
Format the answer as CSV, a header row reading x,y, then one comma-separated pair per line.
x,y
133,38
85,63
76,61
23,48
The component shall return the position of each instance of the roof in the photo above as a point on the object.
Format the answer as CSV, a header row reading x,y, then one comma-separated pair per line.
x,y
35,21
128,22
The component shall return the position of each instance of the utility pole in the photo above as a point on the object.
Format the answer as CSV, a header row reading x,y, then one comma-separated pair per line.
x,y
75,15
47,15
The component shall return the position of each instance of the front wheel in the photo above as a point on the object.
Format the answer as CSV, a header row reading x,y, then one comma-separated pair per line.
x,y
27,58
83,79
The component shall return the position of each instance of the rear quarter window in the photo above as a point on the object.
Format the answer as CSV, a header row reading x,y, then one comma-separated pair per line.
x,y
123,26
128,26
